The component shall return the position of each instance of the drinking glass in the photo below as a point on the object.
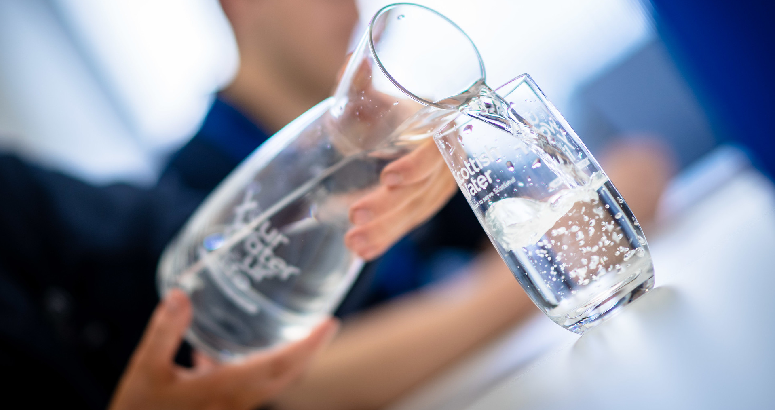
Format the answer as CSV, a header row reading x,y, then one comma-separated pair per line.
x,y
263,259
564,231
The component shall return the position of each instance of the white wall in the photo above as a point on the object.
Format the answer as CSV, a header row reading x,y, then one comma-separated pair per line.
x,y
102,89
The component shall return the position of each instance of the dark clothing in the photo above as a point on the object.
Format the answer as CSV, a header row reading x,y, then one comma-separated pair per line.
x,y
77,276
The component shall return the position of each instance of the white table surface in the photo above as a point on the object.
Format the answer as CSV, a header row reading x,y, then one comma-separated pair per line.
x,y
703,338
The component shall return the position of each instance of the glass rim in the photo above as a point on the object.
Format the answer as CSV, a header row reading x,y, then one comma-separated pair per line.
x,y
390,77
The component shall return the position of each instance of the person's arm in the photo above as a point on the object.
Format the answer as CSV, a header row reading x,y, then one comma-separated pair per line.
x,y
389,350
153,381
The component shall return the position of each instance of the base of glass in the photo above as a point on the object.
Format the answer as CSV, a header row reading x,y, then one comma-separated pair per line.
x,y
598,312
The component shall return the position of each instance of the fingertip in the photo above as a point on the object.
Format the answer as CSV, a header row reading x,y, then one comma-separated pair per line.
x,y
361,216
176,302
357,241
369,254
392,179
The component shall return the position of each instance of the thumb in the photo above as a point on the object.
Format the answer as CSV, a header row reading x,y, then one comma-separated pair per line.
x,y
165,330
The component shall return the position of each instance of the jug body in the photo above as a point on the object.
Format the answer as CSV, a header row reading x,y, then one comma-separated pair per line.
x,y
263,259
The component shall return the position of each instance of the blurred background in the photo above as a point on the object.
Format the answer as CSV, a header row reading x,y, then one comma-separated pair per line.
x,y
106,91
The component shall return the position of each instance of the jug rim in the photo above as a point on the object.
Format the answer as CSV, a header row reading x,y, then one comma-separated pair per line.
x,y
384,71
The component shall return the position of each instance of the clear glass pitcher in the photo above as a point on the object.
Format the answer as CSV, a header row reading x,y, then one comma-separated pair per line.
x,y
263,258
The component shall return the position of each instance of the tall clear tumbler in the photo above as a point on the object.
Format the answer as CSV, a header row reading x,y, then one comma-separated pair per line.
x,y
555,218
263,259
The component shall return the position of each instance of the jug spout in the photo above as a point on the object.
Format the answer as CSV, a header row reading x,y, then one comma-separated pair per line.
x,y
401,77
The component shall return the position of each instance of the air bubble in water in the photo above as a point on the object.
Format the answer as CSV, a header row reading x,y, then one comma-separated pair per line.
x,y
509,165
339,109
213,241
627,256
618,215
467,129
536,164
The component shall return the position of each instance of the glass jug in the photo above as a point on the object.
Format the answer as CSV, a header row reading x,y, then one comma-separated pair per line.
x,y
263,259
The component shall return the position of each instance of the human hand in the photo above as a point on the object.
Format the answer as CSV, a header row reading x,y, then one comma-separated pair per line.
x,y
411,190
153,381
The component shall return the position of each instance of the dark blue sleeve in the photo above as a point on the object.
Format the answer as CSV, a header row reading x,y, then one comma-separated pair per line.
x,y
725,49
227,137
77,270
